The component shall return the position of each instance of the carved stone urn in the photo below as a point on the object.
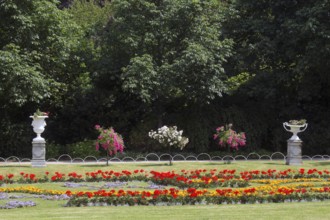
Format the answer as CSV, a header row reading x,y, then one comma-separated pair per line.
x,y
38,143
39,125
295,129
294,154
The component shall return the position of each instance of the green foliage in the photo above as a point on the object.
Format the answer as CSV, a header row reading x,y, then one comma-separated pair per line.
x,y
167,49
38,65
37,44
11,144
53,150
138,137
79,149
235,82
198,130
279,42
82,149
43,33
90,16
20,80
139,64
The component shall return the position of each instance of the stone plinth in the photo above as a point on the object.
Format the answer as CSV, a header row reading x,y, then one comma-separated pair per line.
x,y
294,156
38,154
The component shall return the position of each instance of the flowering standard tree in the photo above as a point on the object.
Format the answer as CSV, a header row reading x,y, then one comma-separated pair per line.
x,y
229,137
168,137
110,141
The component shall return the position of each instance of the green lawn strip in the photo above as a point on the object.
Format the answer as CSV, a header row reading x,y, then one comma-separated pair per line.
x,y
239,166
54,210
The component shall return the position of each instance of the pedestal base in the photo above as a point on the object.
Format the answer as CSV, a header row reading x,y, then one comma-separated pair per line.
x,y
38,163
38,154
294,156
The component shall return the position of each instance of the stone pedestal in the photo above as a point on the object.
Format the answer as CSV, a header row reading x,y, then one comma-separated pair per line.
x,y
38,154
294,156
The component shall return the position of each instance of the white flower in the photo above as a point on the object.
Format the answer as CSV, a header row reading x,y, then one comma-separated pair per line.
x,y
169,136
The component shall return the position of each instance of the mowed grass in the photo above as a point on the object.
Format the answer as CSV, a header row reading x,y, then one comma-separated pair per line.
x,y
160,166
56,210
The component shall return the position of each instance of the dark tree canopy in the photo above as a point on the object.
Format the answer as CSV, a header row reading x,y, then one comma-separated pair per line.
x,y
167,49
139,64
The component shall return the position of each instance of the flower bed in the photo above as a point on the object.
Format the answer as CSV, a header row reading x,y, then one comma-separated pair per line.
x,y
186,178
182,188
192,196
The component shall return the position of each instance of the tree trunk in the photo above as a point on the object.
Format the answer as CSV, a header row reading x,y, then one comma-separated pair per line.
x,y
108,158
170,156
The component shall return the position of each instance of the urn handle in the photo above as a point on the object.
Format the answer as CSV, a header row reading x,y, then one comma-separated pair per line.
x,y
302,128
284,126
305,127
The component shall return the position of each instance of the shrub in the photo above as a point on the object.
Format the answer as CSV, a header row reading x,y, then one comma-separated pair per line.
x,y
82,149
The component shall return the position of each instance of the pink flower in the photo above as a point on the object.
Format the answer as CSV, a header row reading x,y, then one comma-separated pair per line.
x,y
109,140
230,139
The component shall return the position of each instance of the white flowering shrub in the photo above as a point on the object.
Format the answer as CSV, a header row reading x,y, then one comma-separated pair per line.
x,y
169,136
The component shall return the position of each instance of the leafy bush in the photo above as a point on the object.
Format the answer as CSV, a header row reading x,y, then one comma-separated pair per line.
x,y
82,149
53,150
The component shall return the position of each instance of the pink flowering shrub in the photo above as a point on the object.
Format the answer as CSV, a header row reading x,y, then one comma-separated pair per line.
x,y
109,140
229,137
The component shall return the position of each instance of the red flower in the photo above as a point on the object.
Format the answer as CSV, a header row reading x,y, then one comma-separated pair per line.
x,y
32,176
89,194
193,195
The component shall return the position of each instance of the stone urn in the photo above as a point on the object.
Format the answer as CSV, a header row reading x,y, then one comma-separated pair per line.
x,y
38,143
294,154
38,125
295,129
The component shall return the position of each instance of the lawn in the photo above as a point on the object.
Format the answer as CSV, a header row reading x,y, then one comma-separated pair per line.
x,y
46,209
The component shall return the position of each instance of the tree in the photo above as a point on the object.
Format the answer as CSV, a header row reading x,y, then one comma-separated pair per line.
x,y
166,49
162,50
37,41
285,45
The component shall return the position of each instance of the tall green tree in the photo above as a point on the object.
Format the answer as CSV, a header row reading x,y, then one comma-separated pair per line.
x,y
38,64
39,38
285,45
166,50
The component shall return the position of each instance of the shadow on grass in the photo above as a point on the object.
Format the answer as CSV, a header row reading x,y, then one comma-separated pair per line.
x,y
155,165
25,166
274,163
94,165
216,163
111,164
324,163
